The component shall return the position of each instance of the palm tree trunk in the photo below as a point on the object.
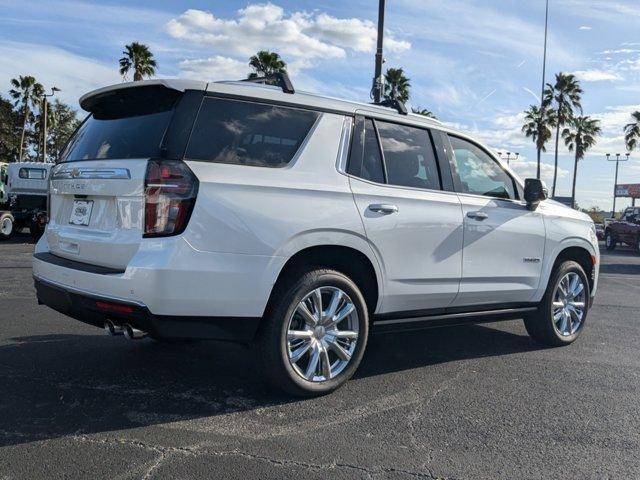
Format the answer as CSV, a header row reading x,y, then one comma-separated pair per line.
x,y
538,169
555,165
24,129
575,174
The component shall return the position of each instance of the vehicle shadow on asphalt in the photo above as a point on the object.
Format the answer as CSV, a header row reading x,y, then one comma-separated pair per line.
x,y
74,384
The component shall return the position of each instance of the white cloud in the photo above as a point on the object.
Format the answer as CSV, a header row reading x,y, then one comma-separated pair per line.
x,y
584,27
267,26
214,68
74,74
528,169
596,76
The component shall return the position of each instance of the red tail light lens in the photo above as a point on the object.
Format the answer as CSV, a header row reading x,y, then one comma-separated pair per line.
x,y
170,192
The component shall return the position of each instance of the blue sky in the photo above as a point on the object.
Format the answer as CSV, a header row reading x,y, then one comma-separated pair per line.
x,y
476,64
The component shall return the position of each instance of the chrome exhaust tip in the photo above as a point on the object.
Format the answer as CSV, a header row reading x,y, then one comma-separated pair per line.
x,y
133,333
112,328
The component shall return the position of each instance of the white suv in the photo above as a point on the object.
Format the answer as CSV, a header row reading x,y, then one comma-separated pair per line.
x,y
247,212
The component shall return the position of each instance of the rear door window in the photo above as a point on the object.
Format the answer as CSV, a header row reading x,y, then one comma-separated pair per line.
x,y
245,133
408,156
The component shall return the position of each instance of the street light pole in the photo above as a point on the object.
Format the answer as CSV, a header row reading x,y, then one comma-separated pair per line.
x,y
377,79
44,121
544,72
615,181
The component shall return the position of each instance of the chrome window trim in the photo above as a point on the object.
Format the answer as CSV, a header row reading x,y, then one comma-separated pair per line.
x,y
345,145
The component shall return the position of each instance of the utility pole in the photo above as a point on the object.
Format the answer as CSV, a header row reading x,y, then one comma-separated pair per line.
x,y
44,121
378,82
544,72
615,181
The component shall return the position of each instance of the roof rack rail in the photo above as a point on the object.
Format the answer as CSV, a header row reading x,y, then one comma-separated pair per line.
x,y
280,79
393,101
395,104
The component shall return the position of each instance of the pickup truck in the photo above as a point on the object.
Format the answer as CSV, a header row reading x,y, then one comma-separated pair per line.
x,y
625,230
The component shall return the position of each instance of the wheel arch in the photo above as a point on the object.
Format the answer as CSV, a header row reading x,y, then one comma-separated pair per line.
x,y
351,261
579,254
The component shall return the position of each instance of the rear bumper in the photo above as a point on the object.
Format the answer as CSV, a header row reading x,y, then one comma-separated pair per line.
x,y
84,307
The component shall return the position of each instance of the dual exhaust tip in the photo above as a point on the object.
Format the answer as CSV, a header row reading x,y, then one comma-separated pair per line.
x,y
129,332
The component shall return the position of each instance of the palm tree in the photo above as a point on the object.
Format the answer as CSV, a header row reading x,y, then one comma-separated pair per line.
x,y
266,63
564,96
138,57
537,126
425,112
396,85
580,137
632,132
26,92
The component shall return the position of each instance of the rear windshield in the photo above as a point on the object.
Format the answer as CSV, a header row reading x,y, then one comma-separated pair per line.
x,y
128,123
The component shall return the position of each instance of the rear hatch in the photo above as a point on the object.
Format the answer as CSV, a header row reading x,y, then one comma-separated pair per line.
x,y
97,196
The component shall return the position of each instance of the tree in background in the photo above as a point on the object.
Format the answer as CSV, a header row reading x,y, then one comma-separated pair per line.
x,y
396,81
62,122
27,93
424,112
580,136
10,126
265,63
564,96
137,57
537,126
632,132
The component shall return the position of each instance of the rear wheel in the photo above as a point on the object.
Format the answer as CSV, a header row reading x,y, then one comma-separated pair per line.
x,y
562,313
7,226
609,240
314,334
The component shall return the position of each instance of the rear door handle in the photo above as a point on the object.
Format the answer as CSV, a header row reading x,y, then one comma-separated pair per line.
x,y
477,215
383,208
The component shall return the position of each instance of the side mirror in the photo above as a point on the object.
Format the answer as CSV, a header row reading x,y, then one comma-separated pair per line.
x,y
535,192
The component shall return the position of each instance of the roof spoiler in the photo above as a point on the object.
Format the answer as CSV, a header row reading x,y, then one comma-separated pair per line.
x,y
280,79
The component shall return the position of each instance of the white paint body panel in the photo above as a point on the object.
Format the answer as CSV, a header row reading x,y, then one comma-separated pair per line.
x,y
248,221
419,246
503,253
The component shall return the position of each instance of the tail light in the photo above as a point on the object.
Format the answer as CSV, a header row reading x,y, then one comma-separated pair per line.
x,y
170,194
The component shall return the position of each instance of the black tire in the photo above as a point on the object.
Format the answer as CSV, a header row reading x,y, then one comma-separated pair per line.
x,y
540,325
272,337
609,240
7,226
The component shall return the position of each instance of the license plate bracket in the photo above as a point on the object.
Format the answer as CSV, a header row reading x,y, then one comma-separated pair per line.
x,y
81,212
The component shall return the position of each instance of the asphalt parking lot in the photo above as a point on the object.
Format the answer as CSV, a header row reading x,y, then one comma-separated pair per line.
x,y
476,402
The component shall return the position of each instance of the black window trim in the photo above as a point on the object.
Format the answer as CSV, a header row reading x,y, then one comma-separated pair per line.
x,y
357,148
456,177
258,101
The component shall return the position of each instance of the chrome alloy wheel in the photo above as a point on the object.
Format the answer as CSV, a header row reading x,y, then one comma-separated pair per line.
x,y
322,334
7,226
568,305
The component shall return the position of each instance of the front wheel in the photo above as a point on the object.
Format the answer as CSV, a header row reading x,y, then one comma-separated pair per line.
x,y
314,334
609,241
7,226
562,313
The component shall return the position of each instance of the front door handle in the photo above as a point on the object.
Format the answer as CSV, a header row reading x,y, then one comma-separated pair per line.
x,y
383,208
478,215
